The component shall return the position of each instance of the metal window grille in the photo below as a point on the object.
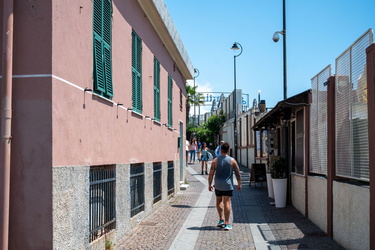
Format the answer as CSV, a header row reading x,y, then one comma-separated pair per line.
x,y
137,188
318,122
170,177
352,152
157,181
102,201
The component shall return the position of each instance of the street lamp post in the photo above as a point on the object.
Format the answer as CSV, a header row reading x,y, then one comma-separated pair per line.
x,y
196,74
259,91
235,47
284,140
276,38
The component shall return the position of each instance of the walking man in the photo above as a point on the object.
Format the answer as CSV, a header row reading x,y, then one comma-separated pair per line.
x,y
222,168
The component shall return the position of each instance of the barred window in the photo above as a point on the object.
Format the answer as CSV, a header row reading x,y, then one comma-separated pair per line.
x,y
137,188
102,201
170,177
157,181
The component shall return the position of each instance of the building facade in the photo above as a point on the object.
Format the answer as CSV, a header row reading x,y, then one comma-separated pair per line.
x,y
326,136
98,124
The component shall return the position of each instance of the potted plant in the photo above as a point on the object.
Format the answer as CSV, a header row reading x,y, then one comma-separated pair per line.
x,y
279,181
269,181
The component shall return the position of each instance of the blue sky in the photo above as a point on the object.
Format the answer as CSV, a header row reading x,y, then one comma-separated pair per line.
x,y
318,31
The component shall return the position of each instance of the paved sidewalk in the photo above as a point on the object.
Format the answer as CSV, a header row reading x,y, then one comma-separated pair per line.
x,y
188,221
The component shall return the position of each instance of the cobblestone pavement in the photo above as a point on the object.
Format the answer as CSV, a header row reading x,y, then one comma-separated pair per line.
x,y
256,224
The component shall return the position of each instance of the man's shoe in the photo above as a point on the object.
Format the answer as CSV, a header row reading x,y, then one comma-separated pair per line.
x,y
206,172
221,224
227,227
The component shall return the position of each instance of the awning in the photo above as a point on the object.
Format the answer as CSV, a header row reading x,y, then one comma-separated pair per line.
x,y
283,109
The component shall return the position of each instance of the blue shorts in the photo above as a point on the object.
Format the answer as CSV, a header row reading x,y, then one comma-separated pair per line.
x,y
224,193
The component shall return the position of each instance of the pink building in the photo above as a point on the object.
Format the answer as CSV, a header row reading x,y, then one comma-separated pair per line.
x,y
98,107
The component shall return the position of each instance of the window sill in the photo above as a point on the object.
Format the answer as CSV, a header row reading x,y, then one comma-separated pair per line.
x,y
137,113
102,98
299,175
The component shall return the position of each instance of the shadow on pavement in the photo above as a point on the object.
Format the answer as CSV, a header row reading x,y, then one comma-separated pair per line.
x,y
188,206
206,228
252,205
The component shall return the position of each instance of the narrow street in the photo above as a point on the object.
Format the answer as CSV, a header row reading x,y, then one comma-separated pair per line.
x,y
189,220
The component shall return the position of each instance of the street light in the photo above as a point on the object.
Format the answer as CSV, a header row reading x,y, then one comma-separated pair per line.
x,y
259,91
235,47
276,38
196,74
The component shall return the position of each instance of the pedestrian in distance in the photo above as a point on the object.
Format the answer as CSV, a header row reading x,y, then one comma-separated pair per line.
x,y
205,158
187,151
217,150
221,173
193,150
199,151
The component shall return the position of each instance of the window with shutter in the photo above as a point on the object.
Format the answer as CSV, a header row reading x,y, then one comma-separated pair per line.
x,y
170,118
136,72
156,90
300,142
102,14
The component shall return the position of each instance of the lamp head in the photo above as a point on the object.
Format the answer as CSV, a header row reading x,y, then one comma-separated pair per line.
x,y
276,37
196,72
235,46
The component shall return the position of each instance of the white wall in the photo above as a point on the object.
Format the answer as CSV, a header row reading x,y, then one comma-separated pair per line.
x,y
298,193
351,210
317,187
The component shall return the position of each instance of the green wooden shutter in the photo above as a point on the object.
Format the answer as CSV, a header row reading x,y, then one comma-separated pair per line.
x,y
156,89
170,85
107,50
97,16
102,14
136,72
108,70
98,65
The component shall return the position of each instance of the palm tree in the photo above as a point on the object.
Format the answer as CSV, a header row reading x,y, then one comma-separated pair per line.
x,y
192,98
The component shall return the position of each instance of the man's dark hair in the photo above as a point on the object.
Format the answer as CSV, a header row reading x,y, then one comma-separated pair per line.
x,y
225,147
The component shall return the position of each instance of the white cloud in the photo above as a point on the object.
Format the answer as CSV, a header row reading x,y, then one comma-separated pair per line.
x,y
201,88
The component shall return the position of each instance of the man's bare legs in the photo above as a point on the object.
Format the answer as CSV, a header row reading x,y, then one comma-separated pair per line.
x,y
227,208
223,207
219,206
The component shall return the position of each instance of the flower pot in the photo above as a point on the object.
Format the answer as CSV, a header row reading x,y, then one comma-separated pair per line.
x,y
269,185
279,191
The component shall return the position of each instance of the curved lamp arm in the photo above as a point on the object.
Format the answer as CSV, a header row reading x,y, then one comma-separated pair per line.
x,y
235,47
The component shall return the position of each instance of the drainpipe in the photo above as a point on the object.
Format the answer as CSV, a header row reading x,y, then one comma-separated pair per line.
x,y
5,121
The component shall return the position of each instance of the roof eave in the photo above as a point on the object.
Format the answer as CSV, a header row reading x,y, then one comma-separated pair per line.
x,y
159,17
293,101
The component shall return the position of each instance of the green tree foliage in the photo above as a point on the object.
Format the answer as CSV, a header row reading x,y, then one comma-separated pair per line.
x,y
209,132
192,98
204,134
